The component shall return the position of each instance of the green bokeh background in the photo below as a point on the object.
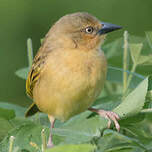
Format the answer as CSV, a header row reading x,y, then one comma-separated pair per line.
x,y
20,19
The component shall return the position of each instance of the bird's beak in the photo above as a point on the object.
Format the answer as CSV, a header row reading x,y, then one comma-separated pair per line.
x,y
107,27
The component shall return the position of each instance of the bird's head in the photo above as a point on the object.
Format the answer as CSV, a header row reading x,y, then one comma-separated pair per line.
x,y
81,30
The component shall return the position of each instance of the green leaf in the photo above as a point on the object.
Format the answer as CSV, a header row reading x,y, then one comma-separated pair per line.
x,y
79,129
24,134
19,111
27,136
112,141
135,50
19,121
145,60
7,114
134,102
144,132
22,73
5,126
149,38
73,148
108,102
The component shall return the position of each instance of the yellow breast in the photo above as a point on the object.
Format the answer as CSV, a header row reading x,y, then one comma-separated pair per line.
x,y
70,82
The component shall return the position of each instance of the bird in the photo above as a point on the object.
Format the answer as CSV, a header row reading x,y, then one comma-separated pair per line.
x,y
69,70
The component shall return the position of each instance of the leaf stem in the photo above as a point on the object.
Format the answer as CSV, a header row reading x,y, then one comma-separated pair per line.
x,y
29,51
125,61
43,140
11,141
131,75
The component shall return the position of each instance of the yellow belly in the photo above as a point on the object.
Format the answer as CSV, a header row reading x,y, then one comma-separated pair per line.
x,y
70,83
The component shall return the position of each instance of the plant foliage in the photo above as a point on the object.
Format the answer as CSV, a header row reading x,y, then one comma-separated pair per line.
x,y
88,132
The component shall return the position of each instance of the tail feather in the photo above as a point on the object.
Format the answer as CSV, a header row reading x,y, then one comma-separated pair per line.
x,y
32,110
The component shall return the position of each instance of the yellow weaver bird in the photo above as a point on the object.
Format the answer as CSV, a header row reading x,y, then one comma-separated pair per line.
x,y
69,70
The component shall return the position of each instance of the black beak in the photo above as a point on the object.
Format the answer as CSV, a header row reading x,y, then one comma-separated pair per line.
x,y
107,27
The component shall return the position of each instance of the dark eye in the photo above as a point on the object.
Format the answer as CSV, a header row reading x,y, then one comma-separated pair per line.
x,y
89,30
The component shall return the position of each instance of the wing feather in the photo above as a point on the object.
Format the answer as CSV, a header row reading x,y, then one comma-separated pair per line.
x,y
34,74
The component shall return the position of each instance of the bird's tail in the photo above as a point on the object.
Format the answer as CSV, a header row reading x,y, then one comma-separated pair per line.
x,y
32,110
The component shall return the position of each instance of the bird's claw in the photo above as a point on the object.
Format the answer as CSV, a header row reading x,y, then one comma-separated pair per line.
x,y
110,116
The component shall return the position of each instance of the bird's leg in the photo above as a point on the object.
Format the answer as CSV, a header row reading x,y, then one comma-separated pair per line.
x,y
108,115
52,121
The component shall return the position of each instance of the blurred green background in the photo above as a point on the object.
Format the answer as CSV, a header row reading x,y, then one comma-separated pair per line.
x,y
20,19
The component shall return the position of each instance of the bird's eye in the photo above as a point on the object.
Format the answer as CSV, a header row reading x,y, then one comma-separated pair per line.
x,y
89,30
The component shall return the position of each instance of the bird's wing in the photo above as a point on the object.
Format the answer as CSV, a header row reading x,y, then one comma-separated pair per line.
x,y
35,72
33,77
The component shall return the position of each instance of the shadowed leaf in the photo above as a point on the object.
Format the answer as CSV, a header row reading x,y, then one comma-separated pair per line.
x,y
19,111
6,113
5,126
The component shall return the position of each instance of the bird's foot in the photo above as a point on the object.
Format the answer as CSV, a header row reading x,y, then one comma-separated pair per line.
x,y
108,115
50,141
50,144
